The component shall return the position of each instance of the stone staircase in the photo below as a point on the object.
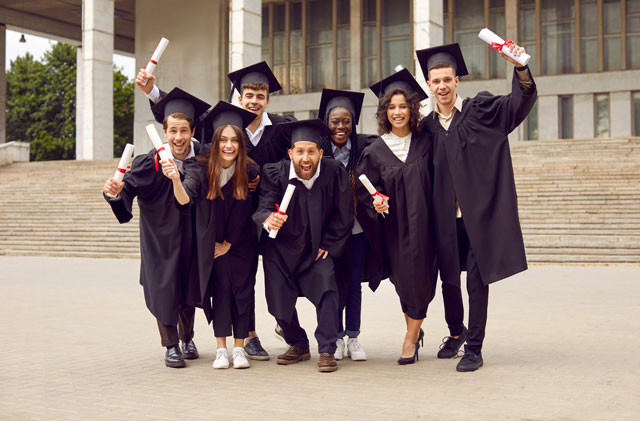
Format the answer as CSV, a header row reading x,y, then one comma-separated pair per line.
x,y
579,202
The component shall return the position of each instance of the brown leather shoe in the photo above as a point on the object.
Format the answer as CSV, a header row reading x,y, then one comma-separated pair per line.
x,y
327,363
294,355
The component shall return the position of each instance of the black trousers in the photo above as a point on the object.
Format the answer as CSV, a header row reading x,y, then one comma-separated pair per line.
x,y
171,335
327,331
226,316
478,296
414,312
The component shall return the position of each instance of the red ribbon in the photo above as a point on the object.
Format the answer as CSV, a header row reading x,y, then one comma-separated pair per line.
x,y
278,211
154,62
122,170
385,198
498,46
156,156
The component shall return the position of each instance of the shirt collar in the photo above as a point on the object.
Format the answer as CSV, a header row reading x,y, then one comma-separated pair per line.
x,y
191,154
456,105
345,148
264,122
307,183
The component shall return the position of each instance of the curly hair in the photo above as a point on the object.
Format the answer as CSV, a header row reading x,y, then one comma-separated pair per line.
x,y
384,126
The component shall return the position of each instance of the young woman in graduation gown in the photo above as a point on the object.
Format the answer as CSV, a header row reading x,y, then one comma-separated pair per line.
x,y
397,164
341,112
216,183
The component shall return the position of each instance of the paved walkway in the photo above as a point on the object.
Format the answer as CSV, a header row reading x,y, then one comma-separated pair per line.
x,y
78,343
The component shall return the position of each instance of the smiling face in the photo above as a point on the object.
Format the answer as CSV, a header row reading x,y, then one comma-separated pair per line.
x,y
341,124
228,145
254,100
179,133
305,156
443,83
399,114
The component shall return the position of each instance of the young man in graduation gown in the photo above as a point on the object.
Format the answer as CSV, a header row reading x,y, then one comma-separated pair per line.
x,y
474,193
315,229
167,270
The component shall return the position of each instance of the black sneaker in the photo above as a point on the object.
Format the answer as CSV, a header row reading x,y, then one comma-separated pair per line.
x,y
450,345
470,360
255,351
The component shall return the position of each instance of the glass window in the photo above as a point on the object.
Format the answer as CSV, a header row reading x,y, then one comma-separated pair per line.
x,y
265,33
343,45
633,34
636,113
558,34
497,23
279,55
296,74
369,44
528,31
396,36
589,35
566,117
531,124
468,20
612,46
602,115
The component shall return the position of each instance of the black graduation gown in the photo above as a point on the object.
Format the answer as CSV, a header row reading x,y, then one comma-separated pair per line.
x,y
472,163
318,218
218,220
404,238
374,270
272,147
167,265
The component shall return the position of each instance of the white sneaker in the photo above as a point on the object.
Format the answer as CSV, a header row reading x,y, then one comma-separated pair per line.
x,y
222,359
355,350
339,354
240,358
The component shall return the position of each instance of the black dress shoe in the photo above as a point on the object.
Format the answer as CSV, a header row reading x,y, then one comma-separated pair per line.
x,y
470,360
173,358
189,350
255,351
450,345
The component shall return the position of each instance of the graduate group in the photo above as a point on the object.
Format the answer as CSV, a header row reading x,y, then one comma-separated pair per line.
x,y
427,195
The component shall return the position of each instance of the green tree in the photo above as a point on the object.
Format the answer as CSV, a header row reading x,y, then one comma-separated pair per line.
x,y
41,104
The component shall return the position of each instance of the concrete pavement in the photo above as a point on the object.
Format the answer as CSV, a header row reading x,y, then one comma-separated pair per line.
x,y
79,343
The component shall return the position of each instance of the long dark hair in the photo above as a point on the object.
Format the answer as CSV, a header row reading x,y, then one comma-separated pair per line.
x,y
384,126
354,154
214,169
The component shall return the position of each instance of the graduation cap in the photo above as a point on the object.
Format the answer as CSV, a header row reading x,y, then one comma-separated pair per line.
x,y
256,73
403,80
450,54
305,130
179,101
223,114
332,98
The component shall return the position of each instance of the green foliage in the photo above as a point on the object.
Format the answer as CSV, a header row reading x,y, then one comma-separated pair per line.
x,y
123,91
41,104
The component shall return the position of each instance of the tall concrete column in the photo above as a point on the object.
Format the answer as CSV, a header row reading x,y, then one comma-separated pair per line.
x,y
245,33
548,124
583,116
80,145
620,113
95,141
3,84
428,28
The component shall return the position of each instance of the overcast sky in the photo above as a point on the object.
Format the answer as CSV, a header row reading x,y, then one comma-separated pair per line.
x,y
37,46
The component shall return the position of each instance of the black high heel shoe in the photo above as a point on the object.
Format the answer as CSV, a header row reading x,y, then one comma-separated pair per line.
x,y
414,357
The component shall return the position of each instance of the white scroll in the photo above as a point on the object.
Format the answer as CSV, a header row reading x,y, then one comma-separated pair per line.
x,y
494,40
125,160
164,153
283,206
372,191
155,57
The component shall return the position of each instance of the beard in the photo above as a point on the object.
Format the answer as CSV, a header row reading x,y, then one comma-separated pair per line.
x,y
300,174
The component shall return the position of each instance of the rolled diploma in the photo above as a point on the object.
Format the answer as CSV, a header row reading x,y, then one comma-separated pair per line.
x,y
284,205
155,139
488,36
155,57
125,159
367,184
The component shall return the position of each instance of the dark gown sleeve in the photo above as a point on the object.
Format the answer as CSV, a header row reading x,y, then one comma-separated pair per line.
x,y
369,166
337,228
137,182
505,112
270,194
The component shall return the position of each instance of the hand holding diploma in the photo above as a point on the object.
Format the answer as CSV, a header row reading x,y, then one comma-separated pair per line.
x,y
380,201
157,143
279,217
125,159
169,169
113,187
508,49
143,79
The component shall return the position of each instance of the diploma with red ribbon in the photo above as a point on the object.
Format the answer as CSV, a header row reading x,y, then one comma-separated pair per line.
x,y
377,196
164,153
123,165
155,57
282,209
499,44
